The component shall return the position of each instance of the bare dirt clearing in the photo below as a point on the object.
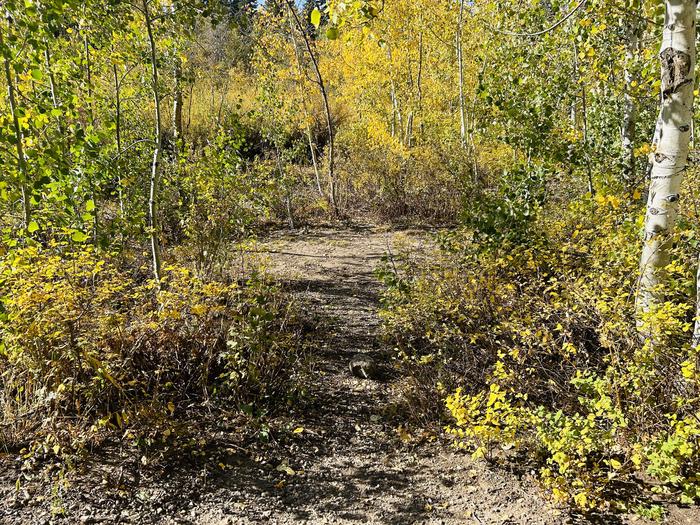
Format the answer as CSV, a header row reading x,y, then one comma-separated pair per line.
x,y
350,465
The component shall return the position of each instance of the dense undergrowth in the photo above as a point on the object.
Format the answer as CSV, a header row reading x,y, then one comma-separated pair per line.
x,y
92,347
525,333
187,128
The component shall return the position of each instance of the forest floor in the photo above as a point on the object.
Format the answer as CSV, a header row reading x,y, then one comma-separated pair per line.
x,y
341,459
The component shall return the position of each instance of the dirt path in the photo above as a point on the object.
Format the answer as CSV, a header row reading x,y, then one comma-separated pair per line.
x,y
349,464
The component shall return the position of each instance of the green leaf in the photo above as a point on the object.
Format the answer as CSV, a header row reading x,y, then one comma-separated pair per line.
x,y
79,236
90,205
686,500
33,226
316,17
332,33
37,74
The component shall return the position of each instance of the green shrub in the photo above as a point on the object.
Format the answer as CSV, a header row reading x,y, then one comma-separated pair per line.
x,y
534,345
87,343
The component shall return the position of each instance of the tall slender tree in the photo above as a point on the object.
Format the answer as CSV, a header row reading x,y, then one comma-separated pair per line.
x,y
22,169
672,140
309,45
154,189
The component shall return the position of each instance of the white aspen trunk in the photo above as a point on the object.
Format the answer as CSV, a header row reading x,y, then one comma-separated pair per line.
x,y
314,160
584,112
54,95
669,160
52,80
396,117
177,102
332,183
460,66
584,124
409,130
91,114
696,328
309,134
394,109
118,130
629,117
155,165
88,74
419,81
19,137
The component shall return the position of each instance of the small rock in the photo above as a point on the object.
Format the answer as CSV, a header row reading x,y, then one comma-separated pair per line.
x,y
364,367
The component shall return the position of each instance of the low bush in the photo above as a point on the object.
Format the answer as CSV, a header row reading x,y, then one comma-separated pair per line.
x,y
391,181
90,344
531,344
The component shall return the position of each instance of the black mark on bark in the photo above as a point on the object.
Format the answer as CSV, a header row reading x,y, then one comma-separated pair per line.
x,y
675,67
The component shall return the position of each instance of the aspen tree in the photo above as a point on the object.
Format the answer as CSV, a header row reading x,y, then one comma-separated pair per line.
x,y
333,185
157,151
629,115
671,154
19,136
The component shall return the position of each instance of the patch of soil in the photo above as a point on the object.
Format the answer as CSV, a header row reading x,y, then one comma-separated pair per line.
x,y
350,464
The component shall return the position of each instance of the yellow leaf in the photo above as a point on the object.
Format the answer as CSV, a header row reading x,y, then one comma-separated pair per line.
x,y
403,435
298,430
479,453
286,469
581,499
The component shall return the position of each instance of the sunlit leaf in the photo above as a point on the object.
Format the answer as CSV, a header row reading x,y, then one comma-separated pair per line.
x,y
79,236
316,17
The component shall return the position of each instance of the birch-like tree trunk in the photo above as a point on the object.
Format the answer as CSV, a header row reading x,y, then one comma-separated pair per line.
x,y
52,80
54,95
396,118
19,136
333,185
629,116
309,133
118,133
460,66
91,115
670,157
153,195
584,122
88,76
177,102
419,81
